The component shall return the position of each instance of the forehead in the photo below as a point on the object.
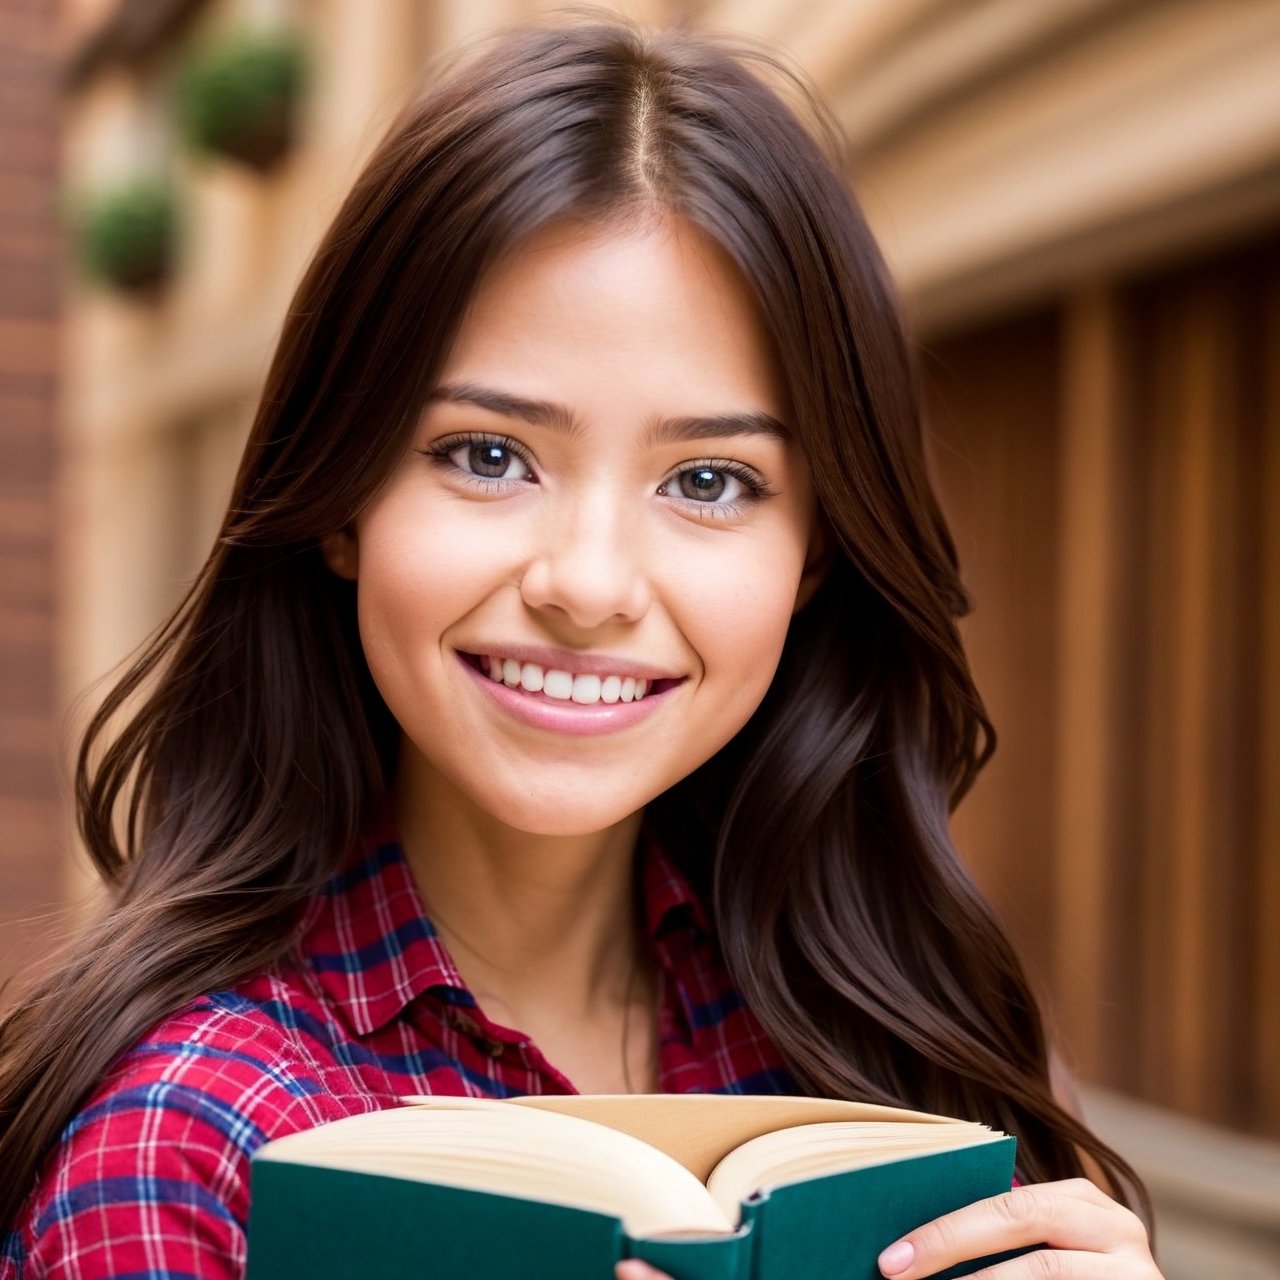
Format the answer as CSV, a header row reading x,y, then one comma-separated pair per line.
x,y
656,316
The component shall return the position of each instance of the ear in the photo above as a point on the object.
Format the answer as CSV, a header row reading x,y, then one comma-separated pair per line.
x,y
817,560
342,553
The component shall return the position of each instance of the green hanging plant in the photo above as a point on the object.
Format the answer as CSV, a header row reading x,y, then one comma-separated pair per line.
x,y
238,97
127,236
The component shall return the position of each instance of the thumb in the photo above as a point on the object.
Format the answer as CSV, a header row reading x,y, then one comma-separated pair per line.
x,y
634,1269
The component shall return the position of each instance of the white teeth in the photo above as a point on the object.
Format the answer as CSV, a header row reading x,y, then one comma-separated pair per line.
x,y
562,685
586,689
558,684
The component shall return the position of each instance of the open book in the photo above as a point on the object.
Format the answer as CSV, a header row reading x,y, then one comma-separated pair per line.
x,y
704,1186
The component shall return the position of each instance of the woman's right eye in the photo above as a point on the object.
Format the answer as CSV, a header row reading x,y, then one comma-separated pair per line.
x,y
490,461
481,459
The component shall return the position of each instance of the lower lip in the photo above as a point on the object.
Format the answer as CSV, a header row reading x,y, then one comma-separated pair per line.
x,y
568,717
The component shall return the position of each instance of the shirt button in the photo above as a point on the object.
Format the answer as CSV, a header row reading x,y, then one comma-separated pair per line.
x,y
494,1048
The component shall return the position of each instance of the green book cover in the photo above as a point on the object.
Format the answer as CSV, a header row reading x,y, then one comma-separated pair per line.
x,y
313,1222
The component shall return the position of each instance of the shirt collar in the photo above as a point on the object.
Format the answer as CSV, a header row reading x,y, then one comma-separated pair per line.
x,y
669,898
372,948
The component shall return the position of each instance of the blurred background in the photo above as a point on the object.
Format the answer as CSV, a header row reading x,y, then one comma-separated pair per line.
x,y
1081,202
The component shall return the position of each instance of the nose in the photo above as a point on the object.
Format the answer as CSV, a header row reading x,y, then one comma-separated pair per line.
x,y
587,562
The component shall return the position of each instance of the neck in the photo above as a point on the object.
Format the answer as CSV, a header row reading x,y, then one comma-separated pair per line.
x,y
540,926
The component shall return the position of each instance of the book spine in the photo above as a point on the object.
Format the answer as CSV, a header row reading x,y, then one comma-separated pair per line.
x,y
697,1258
753,1221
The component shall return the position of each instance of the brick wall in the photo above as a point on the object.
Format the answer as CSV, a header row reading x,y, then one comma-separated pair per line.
x,y
31,840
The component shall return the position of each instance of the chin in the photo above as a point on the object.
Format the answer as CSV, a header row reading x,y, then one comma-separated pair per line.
x,y
578,807
564,816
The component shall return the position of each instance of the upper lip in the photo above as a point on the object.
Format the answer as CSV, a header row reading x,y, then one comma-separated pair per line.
x,y
575,663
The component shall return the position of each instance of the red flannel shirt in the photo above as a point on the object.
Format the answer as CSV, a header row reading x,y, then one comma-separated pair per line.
x,y
150,1180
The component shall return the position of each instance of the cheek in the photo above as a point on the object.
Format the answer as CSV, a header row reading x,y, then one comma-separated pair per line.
x,y
419,573
737,620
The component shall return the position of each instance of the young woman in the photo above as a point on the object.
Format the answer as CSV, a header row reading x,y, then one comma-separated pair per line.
x,y
572,699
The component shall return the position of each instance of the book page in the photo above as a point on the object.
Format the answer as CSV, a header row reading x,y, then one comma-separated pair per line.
x,y
816,1150
488,1145
699,1129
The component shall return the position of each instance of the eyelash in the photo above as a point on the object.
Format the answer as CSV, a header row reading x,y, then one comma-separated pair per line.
x,y
757,489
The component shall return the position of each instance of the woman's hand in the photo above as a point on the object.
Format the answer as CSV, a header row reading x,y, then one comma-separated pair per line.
x,y
634,1269
1089,1237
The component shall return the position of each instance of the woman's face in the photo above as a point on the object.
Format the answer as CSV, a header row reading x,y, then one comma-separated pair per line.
x,y
602,473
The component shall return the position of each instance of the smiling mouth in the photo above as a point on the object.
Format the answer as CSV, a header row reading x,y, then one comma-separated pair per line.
x,y
561,686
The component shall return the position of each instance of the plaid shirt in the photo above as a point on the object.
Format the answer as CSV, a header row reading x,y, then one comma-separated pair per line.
x,y
150,1180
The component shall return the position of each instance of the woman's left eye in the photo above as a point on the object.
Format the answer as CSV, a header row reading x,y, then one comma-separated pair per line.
x,y
726,487
707,484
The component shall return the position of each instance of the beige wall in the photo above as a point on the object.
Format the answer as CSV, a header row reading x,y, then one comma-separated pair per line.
x,y
31,845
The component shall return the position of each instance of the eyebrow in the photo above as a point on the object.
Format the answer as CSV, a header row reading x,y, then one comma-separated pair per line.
x,y
545,413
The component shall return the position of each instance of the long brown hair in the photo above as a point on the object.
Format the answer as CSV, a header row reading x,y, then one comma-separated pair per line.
x,y
260,746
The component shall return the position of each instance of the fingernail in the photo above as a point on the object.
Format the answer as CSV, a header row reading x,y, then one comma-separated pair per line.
x,y
897,1257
